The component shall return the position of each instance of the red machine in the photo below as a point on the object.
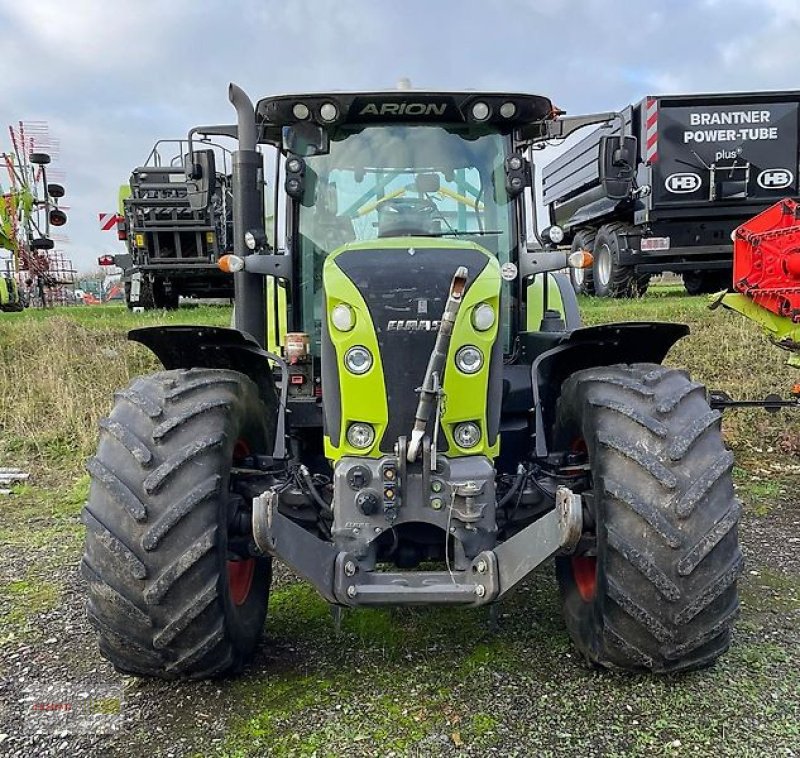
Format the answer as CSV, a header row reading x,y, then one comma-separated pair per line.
x,y
766,259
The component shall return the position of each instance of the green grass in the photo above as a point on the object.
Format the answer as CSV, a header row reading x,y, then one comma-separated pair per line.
x,y
413,681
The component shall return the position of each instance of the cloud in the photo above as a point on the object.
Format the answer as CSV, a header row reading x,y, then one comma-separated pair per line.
x,y
111,78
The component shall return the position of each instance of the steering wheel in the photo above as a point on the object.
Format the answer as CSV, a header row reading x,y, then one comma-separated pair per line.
x,y
401,216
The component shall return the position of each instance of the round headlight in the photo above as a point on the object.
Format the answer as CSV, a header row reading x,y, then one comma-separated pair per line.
x,y
294,165
480,111
556,234
515,163
361,435
469,359
328,112
342,317
507,110
250,240
483,317
467,434
301,111
358,360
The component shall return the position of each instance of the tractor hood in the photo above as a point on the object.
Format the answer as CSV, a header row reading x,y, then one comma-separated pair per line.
x,y
396,290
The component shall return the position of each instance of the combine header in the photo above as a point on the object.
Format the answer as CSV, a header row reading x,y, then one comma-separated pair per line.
x,y
766,274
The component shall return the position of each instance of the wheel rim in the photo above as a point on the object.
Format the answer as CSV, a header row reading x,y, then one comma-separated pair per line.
x,y
241,571
603,260
240,579
584,572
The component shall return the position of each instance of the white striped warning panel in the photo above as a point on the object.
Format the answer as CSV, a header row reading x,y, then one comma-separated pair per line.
x,y
651,130
108,221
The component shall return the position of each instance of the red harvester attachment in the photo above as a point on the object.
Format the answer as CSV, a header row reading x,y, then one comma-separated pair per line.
x,y
766,259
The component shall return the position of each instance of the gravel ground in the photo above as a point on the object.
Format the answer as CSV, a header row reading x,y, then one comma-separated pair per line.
x,y
426,682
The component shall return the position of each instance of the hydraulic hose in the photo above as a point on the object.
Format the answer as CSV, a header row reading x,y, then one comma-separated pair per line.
x,y
433,374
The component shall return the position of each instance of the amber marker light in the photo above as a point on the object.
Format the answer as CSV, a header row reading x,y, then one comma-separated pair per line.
x,y
230,264
580,259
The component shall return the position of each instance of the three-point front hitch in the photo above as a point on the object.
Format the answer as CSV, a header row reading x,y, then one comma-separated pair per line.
x,y
342,579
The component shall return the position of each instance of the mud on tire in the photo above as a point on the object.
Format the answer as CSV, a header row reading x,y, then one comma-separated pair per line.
x,y
158,555
660,594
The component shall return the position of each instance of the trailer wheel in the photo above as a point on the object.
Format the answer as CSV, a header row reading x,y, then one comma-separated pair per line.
x,y
611,278
658,589
583,278
706,282
164,296
172,590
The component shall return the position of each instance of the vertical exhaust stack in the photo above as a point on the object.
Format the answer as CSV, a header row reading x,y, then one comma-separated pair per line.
x,y
248,214
433,374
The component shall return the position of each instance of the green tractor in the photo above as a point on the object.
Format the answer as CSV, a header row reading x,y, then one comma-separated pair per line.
x,y
407,409
10,296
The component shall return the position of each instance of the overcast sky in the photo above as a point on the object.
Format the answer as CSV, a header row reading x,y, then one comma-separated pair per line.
x,y
112,77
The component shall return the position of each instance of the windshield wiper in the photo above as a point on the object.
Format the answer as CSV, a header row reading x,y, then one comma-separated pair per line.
x,y
455,232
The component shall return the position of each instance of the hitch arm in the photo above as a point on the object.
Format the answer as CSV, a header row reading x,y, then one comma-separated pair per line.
x,y
720,400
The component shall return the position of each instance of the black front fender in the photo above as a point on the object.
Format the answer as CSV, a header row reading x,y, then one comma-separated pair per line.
x,y
591,346
218,347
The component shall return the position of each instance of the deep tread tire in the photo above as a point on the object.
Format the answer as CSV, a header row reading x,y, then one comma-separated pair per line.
x,y
156,551
621,281
668,557
583,279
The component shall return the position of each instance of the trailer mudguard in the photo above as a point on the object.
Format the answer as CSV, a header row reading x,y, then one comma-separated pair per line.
x,y
602,345
218,347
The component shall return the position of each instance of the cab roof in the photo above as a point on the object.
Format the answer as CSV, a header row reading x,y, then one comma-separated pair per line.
x,y
506,111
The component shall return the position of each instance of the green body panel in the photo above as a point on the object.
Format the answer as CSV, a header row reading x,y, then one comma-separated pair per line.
x,y
535,301
783,331
275,338
124,194
363,398
5,295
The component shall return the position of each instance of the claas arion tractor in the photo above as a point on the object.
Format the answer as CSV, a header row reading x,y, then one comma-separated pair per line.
x,y
407,409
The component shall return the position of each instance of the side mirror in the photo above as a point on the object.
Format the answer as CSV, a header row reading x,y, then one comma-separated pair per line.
x,y
305,139
617,165
201,176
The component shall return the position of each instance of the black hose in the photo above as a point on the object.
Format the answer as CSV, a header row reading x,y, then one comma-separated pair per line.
x,y
515,485
312,490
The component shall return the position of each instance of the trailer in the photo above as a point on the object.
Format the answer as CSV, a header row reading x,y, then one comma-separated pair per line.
x,y
704,165
173,242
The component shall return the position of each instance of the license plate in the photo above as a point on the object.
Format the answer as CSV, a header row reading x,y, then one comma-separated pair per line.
x,y
654,243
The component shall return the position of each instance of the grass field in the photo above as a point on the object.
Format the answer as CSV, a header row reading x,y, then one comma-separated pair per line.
x,y
407,682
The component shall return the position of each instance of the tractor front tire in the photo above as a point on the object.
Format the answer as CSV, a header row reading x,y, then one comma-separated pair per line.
x,y
583,278
658,590
171,591
610,277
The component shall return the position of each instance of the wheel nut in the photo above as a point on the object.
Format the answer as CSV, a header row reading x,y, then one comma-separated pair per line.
x,y
352,591
480,590
483,567
349,568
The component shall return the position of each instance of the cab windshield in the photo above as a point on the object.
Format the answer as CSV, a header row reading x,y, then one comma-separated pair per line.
x,y
390,181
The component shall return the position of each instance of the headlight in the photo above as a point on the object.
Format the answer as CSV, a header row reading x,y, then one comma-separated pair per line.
x,y
480,111
483,317
358,360
250,240
467,434
300,111
361,435
507,110
556,234
342,317
469,359
328,112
